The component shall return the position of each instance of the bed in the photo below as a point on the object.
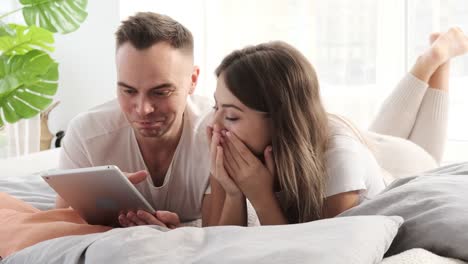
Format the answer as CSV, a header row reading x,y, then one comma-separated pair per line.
x,y
348,239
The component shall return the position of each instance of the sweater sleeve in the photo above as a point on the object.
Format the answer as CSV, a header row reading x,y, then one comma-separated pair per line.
x,y
399,111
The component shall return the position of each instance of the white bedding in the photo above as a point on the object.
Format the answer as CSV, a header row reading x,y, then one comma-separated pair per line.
x,y
29,164
419,256
17,178
325,241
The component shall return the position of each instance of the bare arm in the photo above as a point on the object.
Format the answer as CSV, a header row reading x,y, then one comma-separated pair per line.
x,y
206,210
234,211
60,202
224,209
338,203
269,211
212,210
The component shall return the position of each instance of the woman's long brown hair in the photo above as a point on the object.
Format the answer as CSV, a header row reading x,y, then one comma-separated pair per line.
x,y
277,79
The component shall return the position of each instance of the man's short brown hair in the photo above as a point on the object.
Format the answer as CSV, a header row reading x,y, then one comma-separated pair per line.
x,y
145,29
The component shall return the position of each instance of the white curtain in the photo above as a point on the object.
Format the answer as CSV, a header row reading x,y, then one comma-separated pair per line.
x,y
22,137
359,48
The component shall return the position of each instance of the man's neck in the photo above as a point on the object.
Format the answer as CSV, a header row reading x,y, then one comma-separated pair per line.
x,y
159,144
158,153
162,144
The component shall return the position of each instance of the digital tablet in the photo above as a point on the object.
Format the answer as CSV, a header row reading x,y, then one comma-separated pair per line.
x,y
98,194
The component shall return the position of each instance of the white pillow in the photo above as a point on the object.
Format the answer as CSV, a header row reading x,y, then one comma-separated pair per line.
x,y
347,240
30,163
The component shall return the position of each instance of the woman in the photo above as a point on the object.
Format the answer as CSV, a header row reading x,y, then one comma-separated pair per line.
x,y
273,143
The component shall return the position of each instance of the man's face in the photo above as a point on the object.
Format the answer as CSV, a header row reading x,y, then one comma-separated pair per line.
x,y
152,89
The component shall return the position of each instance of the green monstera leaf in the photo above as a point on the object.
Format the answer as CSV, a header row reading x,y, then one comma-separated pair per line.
x,y
61,16
6,30
27,84
26,39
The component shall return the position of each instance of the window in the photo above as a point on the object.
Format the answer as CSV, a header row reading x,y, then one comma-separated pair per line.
x,y
360,48
437,15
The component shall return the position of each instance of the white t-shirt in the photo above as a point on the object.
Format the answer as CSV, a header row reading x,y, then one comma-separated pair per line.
x,y
351,165
102,136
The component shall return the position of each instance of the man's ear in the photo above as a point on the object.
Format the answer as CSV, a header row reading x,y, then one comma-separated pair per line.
x,y
195,75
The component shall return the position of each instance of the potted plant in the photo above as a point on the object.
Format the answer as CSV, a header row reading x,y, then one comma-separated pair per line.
x,y
28,74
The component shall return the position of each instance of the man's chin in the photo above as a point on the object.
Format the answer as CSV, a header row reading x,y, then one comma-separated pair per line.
x,y
151,133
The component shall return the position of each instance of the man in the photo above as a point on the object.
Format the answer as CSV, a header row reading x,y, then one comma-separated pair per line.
x,y
155,128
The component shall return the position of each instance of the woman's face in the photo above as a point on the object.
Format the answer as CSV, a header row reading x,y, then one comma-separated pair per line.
x,y
250,126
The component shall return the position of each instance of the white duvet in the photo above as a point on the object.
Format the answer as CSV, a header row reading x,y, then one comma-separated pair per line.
x,y
419,256
151,245
346,240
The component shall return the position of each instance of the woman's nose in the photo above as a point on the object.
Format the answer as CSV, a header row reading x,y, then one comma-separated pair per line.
x,y
217,122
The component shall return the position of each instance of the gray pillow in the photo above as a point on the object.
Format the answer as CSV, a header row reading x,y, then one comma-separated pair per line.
x,y
347,240
434,206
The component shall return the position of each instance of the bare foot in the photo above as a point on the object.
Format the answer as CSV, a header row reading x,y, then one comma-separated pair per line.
x,y
447,45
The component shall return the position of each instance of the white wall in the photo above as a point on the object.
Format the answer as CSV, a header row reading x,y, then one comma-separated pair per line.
x,y
86,58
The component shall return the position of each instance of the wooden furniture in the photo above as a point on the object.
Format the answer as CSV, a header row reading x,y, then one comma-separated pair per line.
x,y
46,135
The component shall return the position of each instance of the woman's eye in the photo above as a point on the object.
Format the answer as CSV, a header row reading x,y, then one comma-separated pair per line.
x,y
232,118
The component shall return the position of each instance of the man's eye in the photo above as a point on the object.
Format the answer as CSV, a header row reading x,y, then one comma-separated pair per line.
x,y
232,118
129,91
163,93
215,108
